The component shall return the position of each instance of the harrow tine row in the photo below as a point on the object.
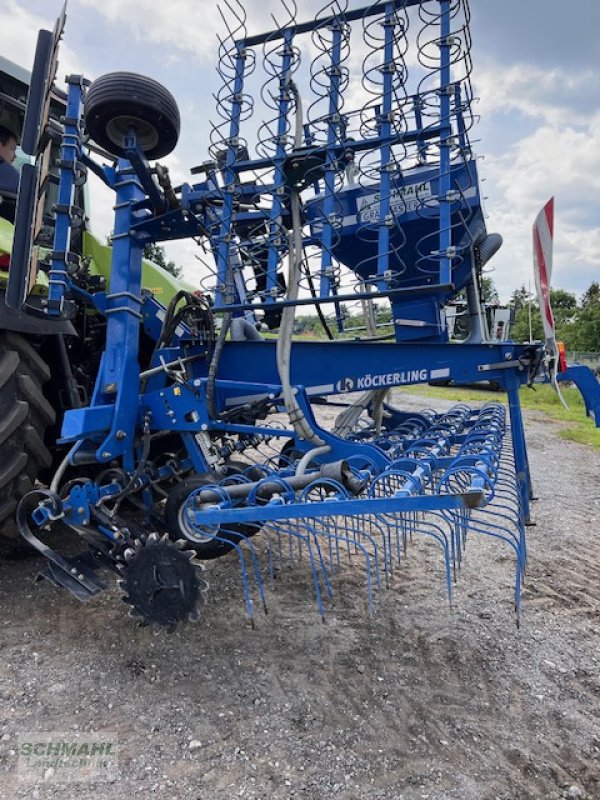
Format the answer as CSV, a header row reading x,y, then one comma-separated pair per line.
x,y
455,478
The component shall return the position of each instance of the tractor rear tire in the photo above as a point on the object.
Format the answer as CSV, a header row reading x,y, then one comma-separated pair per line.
x,y
120,101
25,414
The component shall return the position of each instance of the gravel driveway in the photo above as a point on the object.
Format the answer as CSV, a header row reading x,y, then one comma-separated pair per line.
x,y
419,702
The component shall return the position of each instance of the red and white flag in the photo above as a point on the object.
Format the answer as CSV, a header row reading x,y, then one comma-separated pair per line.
x,y
543,234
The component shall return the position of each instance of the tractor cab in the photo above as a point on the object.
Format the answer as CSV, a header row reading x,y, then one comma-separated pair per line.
x,y
14,90
14,85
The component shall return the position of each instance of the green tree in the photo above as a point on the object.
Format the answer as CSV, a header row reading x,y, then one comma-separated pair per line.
x,y
564,304
489,293
519,298
585,333
591,295
156,253
578,326
520,327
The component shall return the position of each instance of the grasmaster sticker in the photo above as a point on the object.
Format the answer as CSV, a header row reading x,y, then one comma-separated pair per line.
x,y
402,200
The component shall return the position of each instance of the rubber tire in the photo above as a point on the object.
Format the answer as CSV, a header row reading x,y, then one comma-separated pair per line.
x,y
25,414
209,550
119,100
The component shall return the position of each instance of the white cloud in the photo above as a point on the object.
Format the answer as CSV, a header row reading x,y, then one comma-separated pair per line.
x,y
19,36
178,23
187,25
554,95
554,160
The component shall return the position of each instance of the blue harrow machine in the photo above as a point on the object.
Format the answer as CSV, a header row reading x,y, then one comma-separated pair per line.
x,y
341,173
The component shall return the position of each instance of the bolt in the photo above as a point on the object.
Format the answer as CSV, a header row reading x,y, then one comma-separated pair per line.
x,y
81,576
80,510
106,454
121,435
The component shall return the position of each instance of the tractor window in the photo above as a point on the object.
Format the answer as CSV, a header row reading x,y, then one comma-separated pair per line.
x,y
48,192
8,200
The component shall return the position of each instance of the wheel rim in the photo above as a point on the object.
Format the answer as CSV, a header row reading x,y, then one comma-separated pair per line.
x,y
192,533
118,128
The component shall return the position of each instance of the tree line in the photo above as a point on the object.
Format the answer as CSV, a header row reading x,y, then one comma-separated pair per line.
x,y
577,322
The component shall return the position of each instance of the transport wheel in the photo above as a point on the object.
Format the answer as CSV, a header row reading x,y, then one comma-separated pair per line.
x,y
119,101
25,414
179,524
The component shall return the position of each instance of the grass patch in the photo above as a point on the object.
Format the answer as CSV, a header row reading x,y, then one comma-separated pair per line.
x,y
582,429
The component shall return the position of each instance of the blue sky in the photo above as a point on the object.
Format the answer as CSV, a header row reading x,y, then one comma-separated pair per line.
x,y
536,71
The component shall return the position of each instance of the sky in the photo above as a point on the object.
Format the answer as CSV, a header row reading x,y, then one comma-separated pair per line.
x,y
536,73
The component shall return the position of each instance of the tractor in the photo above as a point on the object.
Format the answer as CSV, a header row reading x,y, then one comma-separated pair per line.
x,y
48,363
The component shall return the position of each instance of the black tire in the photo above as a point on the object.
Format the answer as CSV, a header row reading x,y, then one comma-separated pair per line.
x,y
206,547
25,414
119,101
289,454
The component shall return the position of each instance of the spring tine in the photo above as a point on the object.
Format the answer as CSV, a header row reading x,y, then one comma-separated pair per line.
x,y
245,585
296,534
324,572
255,565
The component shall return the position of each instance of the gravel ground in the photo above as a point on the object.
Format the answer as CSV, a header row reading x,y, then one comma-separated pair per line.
x,y
420,702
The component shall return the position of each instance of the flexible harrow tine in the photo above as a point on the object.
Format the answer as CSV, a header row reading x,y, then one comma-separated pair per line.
x,y
306,538
518,536
328,531
506,536
337,534
439,535
255,565
367,558
301,539
232,540
324,572
359,532
385,533
244,573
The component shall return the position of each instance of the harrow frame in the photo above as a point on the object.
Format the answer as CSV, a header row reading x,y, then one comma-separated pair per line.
x,y
398,474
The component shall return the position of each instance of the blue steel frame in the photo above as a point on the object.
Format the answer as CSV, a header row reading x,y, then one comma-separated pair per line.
x,y
333,151
110,426
439,486
70,155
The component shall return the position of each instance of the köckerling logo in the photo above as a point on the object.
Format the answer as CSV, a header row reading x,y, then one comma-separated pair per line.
x,y
346,385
